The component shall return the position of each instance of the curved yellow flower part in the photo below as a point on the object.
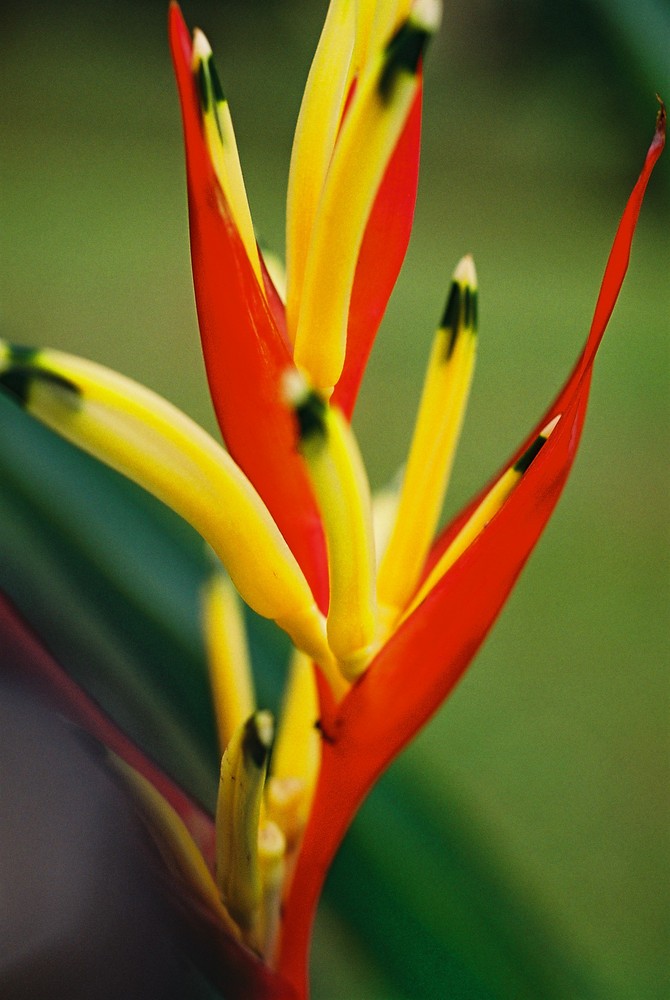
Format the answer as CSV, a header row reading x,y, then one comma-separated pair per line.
x,y
436,433
315,134
153,443
238,813
341,488
296,752
369,133
228,659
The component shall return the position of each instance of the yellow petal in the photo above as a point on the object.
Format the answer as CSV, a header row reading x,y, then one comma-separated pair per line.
x,y
297,751
368,136
147,439
316,130
438,426
222,146
230,674
341,488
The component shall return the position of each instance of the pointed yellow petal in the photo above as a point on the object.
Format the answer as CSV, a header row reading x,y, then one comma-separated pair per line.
x,y
238,811
297,751
227,655
220,138
340,485
433,447
316,130
150,441
484,513
369,134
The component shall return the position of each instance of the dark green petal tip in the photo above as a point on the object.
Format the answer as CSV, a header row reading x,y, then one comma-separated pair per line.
x,y
19,355
257,739
403,55
460,313
20,379
530,454
310,412
217,88
203,86
523,463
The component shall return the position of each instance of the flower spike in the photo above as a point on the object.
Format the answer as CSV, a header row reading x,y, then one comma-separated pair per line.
x,y
288,504
433,447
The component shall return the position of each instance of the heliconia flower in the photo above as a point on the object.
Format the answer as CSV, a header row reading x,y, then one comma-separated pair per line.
x,y
384,617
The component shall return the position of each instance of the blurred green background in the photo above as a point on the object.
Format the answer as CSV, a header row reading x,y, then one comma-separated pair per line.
x,y
553,753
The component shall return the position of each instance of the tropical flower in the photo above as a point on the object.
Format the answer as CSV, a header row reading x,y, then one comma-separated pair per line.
x,y
384,612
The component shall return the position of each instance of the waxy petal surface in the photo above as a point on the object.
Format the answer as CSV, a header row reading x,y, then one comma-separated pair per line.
x,y
381,255
245,353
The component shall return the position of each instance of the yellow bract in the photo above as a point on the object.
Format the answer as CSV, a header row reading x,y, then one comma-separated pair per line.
x,y
433,448
315,134
227,655
341,488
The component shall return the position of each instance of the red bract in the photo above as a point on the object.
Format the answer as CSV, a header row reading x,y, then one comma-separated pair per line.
x,y
245,353
381,256
419,666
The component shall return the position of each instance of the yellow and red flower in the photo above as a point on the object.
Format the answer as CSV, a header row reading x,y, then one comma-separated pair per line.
x,y
384,612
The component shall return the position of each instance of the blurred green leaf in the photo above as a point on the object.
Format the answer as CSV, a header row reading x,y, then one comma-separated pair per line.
x,y
109,579
427,893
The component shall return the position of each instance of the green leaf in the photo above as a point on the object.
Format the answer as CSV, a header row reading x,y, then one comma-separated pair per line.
x,y
109,579
429,897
